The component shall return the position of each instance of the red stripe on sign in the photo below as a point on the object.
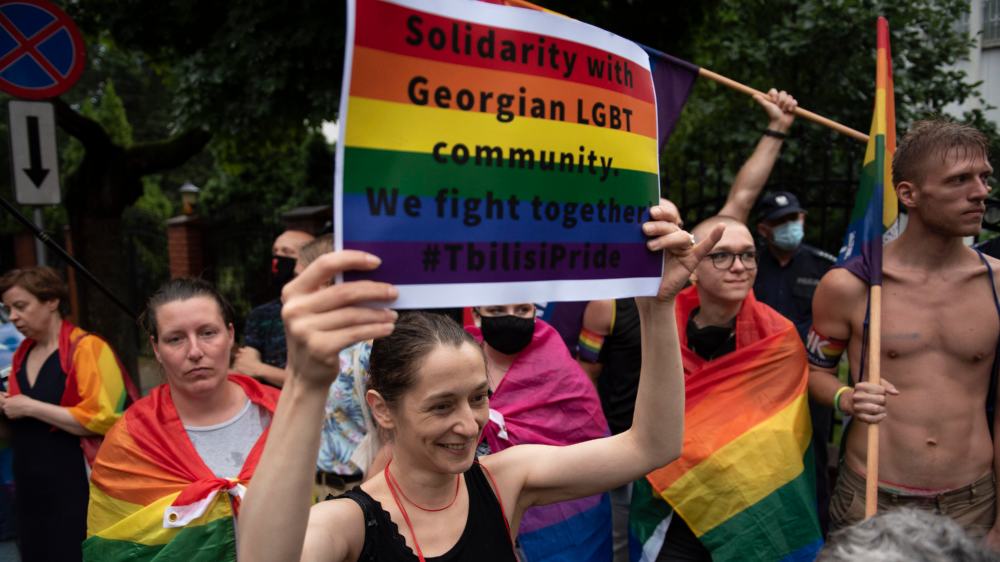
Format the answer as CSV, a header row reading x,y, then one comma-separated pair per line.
x,y
405,31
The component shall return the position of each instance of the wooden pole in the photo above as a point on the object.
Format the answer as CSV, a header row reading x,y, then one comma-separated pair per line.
x,y
804,113
874,377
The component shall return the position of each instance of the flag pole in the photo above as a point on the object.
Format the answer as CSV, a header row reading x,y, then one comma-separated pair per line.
x,y
799,112
716,77
875,377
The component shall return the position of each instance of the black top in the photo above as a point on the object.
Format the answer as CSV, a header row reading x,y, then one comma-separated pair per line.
x,y
49,474
485,538
710,342
789,289
621,360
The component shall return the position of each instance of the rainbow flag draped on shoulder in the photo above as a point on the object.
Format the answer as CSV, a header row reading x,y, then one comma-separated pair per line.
x,y
151,495
545,398
744,481
875,218
97,387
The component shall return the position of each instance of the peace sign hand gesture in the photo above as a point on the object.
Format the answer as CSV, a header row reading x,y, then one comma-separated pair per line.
x,y
681,254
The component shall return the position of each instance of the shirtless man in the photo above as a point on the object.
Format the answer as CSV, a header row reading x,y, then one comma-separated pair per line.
x,y
939,336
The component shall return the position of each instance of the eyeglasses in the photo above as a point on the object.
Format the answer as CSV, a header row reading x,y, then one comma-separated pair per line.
x,y
724,260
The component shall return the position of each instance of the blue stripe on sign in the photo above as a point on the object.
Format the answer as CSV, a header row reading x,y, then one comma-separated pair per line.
x,y
361,226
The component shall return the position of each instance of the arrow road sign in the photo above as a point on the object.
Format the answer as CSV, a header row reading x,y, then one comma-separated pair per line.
x,y
34,160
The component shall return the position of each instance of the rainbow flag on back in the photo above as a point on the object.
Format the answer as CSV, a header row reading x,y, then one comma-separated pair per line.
x,y
744,481
875,219
97,387
151,495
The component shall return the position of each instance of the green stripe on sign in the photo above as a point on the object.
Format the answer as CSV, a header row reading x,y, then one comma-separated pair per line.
x,y
779,524
205,543
419,174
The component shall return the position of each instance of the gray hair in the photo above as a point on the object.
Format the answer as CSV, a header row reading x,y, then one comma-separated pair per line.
x,y
904,535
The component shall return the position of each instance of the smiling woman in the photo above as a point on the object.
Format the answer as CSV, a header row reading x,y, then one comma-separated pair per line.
x,y
429,391
168,480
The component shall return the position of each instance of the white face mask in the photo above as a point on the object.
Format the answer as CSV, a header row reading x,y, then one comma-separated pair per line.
x,y
788,236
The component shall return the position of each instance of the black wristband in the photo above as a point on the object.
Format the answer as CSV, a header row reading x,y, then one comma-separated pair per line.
x,y
775,134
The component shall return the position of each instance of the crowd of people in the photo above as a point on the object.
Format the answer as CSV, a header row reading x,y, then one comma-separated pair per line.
x,y
345,430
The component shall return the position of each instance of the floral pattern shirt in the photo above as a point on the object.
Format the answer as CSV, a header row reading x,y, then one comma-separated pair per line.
x,y
344,426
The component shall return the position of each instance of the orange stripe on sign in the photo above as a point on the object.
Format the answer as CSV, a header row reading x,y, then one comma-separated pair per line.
x,y
386,76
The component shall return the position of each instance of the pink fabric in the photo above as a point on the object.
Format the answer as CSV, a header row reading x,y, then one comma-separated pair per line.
x,y
545,398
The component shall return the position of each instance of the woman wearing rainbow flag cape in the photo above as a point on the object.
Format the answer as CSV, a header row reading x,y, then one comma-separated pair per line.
x,y
169,478
66,390
542,396
429,390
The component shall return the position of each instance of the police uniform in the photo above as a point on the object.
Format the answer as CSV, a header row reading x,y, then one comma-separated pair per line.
x,y
789,289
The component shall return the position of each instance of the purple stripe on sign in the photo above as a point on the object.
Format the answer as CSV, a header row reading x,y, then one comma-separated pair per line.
x,y
419,263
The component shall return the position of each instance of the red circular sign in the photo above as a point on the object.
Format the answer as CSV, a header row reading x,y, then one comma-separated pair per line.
x,y
41,50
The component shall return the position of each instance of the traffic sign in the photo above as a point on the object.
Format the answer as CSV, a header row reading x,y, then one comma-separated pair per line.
x,y
34,161
41,50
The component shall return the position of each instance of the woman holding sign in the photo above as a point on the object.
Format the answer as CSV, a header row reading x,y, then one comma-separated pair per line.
x,y
428,389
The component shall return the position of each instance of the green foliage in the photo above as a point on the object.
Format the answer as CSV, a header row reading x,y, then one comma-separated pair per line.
x,y
823,52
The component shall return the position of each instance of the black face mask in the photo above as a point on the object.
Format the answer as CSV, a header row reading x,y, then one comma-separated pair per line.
x,y
282,271
507,334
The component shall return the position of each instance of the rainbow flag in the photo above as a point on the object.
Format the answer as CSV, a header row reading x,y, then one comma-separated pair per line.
x,y
487,147
744,481
151,495
97,387
875,219
545,398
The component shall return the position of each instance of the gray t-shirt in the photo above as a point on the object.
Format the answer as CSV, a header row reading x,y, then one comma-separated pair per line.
x,y
224,447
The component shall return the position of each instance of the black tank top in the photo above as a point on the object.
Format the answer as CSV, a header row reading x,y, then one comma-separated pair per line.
x,y
485,538
621,361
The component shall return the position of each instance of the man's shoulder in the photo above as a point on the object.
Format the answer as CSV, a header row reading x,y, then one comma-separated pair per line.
x,y
842,283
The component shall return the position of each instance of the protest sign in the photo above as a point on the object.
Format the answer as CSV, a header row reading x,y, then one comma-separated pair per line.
x,y
492,154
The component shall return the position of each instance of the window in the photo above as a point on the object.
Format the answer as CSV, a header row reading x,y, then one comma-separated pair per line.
x,y
991,23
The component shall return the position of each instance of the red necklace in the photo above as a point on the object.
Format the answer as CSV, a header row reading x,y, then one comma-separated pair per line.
x,y
394,485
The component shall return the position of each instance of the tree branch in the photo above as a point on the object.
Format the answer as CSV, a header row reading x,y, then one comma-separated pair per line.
x,y
86,130
153,157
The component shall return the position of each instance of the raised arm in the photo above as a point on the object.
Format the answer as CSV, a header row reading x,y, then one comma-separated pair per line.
x,y
750,180
319,322
537,474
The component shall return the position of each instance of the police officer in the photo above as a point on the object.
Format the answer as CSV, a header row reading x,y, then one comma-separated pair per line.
x,y
788,270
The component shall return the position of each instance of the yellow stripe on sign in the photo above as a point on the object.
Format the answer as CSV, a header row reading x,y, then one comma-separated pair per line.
x,y
145,525
744,471
383,125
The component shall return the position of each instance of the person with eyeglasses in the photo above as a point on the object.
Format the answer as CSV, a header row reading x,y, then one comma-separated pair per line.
x,y
742,360
540,395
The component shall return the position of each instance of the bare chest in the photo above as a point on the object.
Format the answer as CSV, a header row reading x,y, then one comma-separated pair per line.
x,y
956,322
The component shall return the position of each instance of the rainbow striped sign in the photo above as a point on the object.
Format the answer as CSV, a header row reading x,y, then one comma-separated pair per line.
x,y
495,154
